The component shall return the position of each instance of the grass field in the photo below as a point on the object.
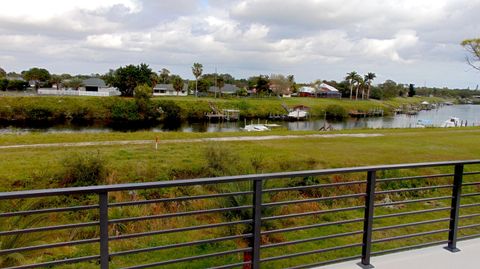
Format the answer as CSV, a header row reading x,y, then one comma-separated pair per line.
x,y
33,168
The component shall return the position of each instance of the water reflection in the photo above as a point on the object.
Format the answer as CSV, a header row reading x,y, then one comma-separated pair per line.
x,y
468,113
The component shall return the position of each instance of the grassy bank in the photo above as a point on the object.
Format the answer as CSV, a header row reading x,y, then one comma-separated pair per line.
x,y
29,168
42,108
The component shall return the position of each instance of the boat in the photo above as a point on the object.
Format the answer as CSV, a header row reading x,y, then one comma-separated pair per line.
x,y
256,128
424,124
298,114
452,122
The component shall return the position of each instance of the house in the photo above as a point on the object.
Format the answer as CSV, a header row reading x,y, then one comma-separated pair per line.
x,y
327,91
306,91
93,85
168,90
226,89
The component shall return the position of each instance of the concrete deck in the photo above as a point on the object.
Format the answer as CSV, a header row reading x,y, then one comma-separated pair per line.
x,y
435,257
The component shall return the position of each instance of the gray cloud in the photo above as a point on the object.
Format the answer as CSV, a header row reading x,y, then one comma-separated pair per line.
x,y
408,41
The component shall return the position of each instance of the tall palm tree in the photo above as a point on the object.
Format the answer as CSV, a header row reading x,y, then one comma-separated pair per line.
x,y
220,84
359,82
177,82
368,80
351,78
197,70
164,75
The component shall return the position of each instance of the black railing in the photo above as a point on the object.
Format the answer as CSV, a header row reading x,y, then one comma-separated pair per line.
x,y
367,210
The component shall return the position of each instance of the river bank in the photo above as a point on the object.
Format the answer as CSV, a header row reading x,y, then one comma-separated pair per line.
x,y
84,110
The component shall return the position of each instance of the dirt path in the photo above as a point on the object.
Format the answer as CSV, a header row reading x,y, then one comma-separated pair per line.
x,y
196,140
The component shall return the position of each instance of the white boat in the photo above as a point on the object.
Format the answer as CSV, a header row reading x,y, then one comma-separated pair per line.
x,y
452,122
298,114
256,128
424,124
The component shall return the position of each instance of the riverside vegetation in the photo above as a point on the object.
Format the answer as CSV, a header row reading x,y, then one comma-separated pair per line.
x,y
32,168
84,109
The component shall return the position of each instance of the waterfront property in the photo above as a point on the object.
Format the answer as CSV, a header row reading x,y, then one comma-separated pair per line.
x,y
90,87
168,90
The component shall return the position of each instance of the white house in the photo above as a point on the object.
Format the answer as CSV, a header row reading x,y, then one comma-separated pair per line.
x,y
168,90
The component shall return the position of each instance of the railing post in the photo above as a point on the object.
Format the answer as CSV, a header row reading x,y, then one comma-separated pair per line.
x,y
104,255
257,218
368,220
455,209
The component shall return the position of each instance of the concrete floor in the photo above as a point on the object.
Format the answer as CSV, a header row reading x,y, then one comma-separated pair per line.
x,y
435,257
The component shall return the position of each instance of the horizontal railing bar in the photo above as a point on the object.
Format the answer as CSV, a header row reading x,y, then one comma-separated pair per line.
x,y
205,181
413,177
50,228
471,173
469,205
312,265
388,239
269,259
53,263
415,189
466,237
183,229
53,245
469,226
469,216
291,229
435,243
184,244
303,214
411,212
409,224
187,259
48,210
282,203
181,214
176,199
300,241
414,201
347,183
228,266
470,184
470,194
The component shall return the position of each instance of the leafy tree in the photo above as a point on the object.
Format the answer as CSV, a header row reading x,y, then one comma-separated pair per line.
x,y
260,84
177,82
293,85
351,77
197,70
36,74
74,83
368,80
390,89
411,90
17,85
473,47
142,94
57,80
128,77
164,73
279,84
3,74
3,84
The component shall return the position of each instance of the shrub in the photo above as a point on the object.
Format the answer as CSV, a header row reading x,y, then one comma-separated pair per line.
x,y
125,110
83,170
336,112
17,85
169,110
220,161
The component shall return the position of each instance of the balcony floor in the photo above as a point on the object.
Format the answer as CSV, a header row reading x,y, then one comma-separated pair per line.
x,y
435,257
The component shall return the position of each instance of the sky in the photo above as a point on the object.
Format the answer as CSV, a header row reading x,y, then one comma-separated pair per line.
x,y
408,41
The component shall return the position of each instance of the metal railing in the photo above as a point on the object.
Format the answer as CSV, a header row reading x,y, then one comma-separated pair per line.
x,y
264,194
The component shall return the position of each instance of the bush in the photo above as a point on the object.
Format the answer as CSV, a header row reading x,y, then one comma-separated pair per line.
x,y
336,112
169,110
83,170
17,85
125,110
3,84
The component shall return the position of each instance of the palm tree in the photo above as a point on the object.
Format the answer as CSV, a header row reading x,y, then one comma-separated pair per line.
x,y
220,84
164,75
351,78
197,70
177,82
368,80
359,82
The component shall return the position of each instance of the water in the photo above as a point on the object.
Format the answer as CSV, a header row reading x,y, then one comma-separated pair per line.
x,y
469,113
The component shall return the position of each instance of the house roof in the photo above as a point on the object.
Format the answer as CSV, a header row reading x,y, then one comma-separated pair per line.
x,y
327,87
306,89
94,82
227,88
168,87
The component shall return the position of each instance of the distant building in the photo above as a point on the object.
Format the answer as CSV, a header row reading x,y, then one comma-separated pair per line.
x,y
168,90
323,90
94,85
91,87
306,91
226,89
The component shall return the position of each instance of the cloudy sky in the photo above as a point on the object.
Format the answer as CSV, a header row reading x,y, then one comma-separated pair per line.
x,y
409,41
